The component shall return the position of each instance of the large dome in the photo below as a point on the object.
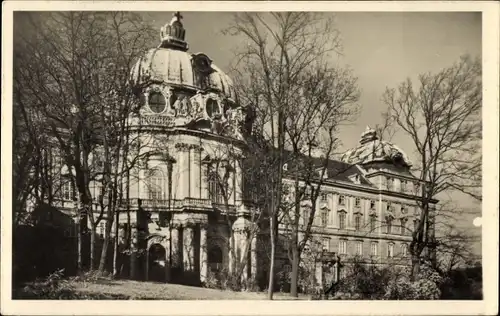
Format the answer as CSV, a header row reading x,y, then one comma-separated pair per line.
x,y
179,68
175,88
171,64
372,149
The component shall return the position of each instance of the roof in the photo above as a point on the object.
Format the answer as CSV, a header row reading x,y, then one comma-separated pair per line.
x,y
335,169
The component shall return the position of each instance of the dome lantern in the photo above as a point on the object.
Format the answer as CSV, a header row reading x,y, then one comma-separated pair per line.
x,y
173,34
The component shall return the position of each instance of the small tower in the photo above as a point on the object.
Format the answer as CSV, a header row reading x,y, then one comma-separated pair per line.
x,y
173,34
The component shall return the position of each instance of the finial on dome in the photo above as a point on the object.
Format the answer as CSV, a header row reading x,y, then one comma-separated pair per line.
x,y
176,16
173,34
368,135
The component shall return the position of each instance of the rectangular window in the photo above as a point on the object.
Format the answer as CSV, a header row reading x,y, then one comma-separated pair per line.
x,y
415,225
306,216
326,244
372,204
390,183
374,249
403,226
341,200
357,202
416,187
324,217
342,247
102,228
67,189
389,225
357,222
324,197
373,223
359,248
403,185
389,206
390,250
342,220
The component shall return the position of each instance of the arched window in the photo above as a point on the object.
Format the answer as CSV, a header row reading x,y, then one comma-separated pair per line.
x,y
157,185
342,219
404,250
215,190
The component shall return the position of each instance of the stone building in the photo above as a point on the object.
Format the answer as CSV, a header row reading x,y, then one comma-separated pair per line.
x,y
190,130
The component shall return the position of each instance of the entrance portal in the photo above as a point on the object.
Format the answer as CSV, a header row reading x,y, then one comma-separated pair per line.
x,y
157,270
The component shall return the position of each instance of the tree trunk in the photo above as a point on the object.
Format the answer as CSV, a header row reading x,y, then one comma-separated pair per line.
x,y
270,290
105,245
295,272
415,267
79,242
92,247
115,248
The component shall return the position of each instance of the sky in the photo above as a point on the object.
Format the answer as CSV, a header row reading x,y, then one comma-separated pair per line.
x,y
382,49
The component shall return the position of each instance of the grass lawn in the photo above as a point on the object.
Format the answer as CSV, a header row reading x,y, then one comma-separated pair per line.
x,y
127,289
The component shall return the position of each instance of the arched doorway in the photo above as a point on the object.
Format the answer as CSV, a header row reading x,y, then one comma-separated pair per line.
x,y
157,263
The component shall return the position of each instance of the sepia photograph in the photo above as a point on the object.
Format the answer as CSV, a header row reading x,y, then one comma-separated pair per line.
x,y
246,155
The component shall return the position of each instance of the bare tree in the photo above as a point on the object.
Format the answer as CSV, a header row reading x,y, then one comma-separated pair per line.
x,y
279,48
327,98
71,66
442,117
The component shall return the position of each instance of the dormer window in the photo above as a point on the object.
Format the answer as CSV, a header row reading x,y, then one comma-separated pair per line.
x,y
355,178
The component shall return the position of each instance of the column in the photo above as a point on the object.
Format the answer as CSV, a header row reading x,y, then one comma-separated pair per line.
x,y
203,181
232,250
195,172
133,253
188,245
182,171
174,245
319,272
238,188
253,258
203,253
167,257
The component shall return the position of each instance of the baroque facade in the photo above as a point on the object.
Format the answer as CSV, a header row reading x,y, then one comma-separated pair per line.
x,y
188,126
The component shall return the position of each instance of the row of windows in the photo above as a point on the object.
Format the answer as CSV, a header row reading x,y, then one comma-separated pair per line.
x,y
403,185
357,203
358,222
358,248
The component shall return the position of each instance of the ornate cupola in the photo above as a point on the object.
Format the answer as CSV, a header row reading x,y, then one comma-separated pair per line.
x,y
173,34
368,135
